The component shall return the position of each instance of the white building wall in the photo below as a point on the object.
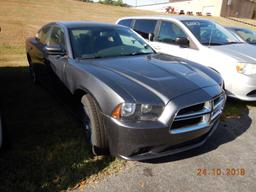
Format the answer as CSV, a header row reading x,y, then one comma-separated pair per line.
x,y
204,6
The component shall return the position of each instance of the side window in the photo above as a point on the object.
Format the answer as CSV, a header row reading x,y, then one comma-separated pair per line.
x,y
43,34
57,37
125,22
169,32
144,27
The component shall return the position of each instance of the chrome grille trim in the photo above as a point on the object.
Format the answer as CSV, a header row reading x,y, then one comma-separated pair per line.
x,y
203,117
190,128
193,115
219,106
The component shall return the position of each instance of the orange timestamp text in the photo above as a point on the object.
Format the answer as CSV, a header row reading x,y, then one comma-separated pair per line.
x,y
220,171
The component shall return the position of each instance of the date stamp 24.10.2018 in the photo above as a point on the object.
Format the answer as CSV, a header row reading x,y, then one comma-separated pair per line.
x,y
220,172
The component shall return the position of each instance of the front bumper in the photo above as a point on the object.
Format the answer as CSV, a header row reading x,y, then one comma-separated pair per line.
x,y
148,140
142,144
242,87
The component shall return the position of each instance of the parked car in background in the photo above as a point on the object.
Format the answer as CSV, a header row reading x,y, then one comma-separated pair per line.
x,y
136,103
246,35
204,42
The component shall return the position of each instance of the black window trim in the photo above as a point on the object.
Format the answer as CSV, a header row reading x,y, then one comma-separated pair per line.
x,y
132,23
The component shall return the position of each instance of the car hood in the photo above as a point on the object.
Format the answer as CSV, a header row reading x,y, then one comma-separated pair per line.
x,y
165,76
241,52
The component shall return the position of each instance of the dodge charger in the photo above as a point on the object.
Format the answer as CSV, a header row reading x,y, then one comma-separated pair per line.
x,y
137,104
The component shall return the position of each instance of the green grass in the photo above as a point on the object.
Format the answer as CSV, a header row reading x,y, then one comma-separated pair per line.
x,y
235,108
48,150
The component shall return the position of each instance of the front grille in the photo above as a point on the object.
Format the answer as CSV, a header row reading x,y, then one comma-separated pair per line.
x,y
186,122
198,116
191,109
218,105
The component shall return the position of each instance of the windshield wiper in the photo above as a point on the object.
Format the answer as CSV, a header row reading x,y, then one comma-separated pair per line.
x,y
227,43
137,53
233,42
89,57
98,56
209,44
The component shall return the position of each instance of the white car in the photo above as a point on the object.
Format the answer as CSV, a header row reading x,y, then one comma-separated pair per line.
x,y
204,42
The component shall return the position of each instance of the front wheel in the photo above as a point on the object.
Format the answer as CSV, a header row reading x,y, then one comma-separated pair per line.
x,y
33,74
4,134
1,132
94,125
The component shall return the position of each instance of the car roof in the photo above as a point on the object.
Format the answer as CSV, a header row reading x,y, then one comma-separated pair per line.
x,y
77,24
180,18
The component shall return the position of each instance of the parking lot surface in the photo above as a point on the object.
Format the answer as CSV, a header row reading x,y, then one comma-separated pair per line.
x,y
232,147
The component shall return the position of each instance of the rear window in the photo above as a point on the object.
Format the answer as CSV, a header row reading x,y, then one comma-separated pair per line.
x,y
125,22
145,26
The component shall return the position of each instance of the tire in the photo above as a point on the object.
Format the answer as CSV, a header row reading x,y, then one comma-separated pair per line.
x,y
94,125
33,74
32,71
4,135
1,132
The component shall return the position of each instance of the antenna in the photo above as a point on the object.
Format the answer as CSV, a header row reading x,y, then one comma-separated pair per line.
x,y
210,40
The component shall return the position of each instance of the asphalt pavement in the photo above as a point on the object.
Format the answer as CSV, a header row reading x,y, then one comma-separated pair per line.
x,y
227,162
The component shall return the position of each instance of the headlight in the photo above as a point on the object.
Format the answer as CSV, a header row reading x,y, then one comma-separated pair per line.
x,y
139,112
128,109
246,69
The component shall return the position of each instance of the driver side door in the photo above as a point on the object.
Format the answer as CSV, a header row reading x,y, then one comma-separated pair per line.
x,y
57,62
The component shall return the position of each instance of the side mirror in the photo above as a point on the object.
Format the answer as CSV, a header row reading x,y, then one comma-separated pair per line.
x,y
182,41
37,37
150,36
54,50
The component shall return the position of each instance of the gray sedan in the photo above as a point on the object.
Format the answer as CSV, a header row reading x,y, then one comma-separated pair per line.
x,y
136,103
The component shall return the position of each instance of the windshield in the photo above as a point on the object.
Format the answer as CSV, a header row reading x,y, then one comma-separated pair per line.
x,y
247,35
100,42
209,33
